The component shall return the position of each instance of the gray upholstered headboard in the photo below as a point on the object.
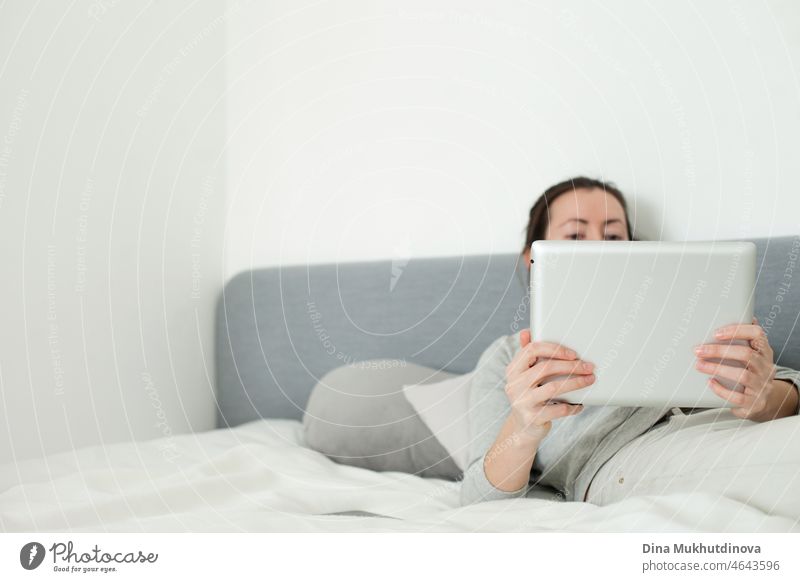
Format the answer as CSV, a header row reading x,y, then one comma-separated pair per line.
x,y
280,329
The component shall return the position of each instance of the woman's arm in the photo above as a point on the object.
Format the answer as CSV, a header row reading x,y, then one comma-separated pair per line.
x,y
489,409
788,382
511,412
508,462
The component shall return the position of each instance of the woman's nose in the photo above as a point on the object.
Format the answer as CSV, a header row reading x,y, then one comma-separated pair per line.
x,y
594,235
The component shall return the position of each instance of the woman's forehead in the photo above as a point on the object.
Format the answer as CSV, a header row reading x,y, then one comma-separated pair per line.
x,y
586,204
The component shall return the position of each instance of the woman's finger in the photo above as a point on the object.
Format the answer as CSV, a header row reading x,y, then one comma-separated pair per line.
x,y
522,355
521,385
550,411
529,355
544,369
740,375
740,331
524,337
550,390
744,354
738,398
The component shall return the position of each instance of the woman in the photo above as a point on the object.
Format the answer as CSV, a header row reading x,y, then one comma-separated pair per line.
x,y
523,435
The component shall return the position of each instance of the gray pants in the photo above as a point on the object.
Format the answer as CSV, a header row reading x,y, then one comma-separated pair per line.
x,y
712,451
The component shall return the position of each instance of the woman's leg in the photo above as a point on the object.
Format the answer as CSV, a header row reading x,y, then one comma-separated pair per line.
x,y
711,451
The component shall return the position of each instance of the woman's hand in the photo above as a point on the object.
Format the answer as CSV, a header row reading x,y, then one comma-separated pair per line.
x,y
531,392
763,398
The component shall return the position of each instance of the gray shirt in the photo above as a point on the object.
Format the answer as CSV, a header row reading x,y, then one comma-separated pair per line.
x,y
574,449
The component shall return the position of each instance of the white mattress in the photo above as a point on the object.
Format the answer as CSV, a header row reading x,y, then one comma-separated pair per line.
x,y
260,477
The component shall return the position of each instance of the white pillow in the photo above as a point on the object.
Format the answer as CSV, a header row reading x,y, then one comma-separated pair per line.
x,y
443,407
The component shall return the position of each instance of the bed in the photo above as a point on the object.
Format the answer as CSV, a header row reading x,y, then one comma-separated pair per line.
x,y
278,331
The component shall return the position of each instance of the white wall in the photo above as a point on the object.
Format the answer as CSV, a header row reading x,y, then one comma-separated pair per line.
x,y
111,198
148,151
363,129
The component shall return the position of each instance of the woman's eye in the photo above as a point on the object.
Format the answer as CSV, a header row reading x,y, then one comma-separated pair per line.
x,y
573,236
614,237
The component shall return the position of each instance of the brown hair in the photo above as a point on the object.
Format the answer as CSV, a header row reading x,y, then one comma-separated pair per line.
x,y
539,215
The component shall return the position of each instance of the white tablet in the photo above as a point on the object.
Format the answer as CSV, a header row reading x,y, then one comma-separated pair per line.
x,y
637,309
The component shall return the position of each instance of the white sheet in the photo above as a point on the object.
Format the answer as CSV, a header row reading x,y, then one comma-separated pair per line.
x,y
260,477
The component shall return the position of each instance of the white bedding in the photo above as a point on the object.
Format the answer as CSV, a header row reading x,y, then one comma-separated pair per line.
x,y
260,477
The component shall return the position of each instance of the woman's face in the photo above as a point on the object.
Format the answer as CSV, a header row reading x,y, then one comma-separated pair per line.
x,y
585,215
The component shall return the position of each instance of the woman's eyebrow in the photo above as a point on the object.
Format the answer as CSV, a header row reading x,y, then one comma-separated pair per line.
x,y
584,221
574,220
